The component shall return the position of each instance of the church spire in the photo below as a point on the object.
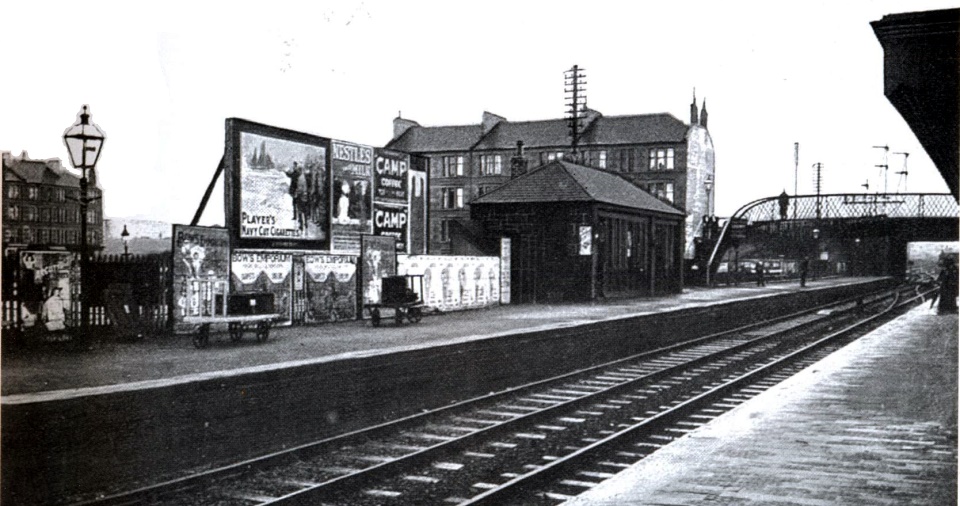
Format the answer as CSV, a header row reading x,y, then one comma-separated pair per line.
x,y
693,109
703,114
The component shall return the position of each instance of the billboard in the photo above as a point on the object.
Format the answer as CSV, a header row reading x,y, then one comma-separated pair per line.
x,y
417,228
263,272
351,209
390,170
277,187
330,287
392,221
48,282
379,260
201,271
455,282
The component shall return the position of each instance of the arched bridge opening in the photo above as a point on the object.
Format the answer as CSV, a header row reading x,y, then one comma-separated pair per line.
x,y
851,234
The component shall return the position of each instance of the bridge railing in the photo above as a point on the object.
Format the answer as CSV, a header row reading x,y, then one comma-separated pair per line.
x,y
836,206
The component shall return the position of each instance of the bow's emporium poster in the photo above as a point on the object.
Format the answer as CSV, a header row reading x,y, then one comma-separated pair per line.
x,y
352,204
263,272
331,287
201,271
278,187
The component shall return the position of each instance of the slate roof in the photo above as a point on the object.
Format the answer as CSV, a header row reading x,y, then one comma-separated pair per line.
x,y
420,139
39,172
604,130
560,181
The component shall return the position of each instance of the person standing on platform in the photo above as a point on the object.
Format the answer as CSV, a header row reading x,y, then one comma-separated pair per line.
x,y
804,267
761,281
948,287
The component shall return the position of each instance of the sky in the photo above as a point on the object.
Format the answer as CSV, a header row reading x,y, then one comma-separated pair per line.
x,y
161,77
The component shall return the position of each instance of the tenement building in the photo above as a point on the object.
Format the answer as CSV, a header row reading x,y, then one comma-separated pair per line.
x,y
661,154
41,205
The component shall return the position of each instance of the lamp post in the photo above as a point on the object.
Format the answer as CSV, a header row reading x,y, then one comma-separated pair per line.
x,y
816,252
84,141
125,236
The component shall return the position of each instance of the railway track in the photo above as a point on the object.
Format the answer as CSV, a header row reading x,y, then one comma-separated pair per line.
x,y
540,443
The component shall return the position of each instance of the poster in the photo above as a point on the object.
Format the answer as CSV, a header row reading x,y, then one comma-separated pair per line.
x,y
455,282
390,177
379,257
201,271
351,209
417,227
263,272
331,287
392,221
48,282
505,270
277,192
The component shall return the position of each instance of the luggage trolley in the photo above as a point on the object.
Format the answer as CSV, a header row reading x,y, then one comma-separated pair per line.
x,y
403,295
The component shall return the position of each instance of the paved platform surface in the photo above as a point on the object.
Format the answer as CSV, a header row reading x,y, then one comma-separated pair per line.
x,y
55,371
874,423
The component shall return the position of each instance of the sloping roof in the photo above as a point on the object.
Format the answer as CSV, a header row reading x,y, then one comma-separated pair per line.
x,y
560,181
636,129
604,130
39,172
420,139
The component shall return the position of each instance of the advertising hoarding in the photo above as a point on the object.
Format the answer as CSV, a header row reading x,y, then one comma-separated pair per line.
x,y
331,287
390,170
277,187
417,228
455,282
352,204
379,255
49,280
263,272
392,221
201,271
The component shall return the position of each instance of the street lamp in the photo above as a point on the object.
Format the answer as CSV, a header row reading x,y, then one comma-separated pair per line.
x,y
125,236
816,252
84,141
708,184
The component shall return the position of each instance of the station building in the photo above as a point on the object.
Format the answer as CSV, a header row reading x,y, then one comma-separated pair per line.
x,y
659,153
579,233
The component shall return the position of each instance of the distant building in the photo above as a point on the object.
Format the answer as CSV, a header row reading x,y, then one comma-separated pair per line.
x,y
41,205
659,153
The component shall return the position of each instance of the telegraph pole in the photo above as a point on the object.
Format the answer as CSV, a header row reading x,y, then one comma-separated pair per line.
x,y
796,171
884,165
575,82
903,173
817,182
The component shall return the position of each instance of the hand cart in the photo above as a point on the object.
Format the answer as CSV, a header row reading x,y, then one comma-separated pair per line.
x,y
403,295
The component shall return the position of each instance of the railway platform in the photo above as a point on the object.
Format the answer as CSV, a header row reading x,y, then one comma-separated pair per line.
x,y
874,423
56,372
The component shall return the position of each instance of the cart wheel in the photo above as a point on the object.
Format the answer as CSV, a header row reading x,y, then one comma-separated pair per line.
x,y
263,331
375,317
236,331
414,314
398,316
202,336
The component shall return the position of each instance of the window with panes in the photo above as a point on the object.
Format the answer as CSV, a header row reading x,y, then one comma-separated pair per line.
x,y
452,166
661,159
491,164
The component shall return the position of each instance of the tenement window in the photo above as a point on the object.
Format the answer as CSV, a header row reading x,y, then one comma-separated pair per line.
x,y
661,159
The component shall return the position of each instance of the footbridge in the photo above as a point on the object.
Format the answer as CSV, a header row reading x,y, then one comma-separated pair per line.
x,y
848,233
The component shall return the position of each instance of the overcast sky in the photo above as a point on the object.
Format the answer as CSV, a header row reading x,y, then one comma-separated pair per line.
x,y
161,77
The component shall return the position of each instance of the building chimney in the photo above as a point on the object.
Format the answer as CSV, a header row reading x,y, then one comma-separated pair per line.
x,y
703,114
7,158
518,163
24,156
401,125
490,120
693,109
